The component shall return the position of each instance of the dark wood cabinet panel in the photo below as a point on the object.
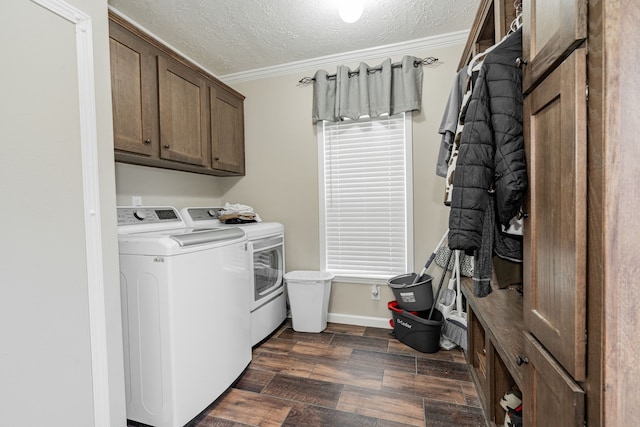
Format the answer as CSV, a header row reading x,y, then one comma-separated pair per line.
x,y
555,233
227,130
551,396
183,118
133,88
168,112
551,30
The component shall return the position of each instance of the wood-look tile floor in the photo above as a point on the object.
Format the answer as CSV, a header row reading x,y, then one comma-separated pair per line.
x,y
347,376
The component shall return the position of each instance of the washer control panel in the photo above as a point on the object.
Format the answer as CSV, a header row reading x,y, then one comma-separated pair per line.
x,y
146,215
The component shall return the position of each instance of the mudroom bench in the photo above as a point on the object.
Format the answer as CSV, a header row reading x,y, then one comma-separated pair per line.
x,y
495,345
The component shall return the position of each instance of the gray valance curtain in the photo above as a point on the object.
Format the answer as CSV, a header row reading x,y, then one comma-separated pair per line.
x,y
388,88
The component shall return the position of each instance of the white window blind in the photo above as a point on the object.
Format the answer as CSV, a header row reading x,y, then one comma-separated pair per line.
x,y
365,197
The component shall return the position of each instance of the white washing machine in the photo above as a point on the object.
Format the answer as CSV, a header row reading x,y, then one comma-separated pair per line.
x,y
185,308
265,256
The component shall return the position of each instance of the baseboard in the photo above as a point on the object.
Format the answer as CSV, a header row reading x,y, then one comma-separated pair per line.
x,y
350,319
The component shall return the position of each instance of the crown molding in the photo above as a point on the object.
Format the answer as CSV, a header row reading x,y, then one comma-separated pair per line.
x,y
398,49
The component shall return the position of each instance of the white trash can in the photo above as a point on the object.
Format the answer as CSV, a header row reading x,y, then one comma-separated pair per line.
x,y
309,299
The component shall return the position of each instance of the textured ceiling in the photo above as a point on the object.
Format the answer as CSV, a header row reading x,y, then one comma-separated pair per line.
x,y
232,36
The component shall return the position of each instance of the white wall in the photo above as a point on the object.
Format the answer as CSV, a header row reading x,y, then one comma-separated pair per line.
x,y
46,344
164,187
281,182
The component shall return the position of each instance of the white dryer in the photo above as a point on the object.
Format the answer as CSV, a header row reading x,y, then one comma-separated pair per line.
x,y
185,308
266,259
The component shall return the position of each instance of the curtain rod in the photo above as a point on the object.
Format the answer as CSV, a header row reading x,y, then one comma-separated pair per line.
x,y
426,61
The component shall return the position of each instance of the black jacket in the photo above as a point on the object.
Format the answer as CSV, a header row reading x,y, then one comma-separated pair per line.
x,y
491,155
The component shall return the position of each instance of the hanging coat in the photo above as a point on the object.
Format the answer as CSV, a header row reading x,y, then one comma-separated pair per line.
x,y
491,156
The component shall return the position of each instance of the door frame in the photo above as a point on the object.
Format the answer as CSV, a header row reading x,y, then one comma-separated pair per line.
x,y
91,198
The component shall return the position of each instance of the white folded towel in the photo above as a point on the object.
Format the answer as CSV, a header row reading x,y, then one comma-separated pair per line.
x,y
237,208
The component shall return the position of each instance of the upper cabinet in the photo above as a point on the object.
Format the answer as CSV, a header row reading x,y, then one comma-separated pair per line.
x,y
551,30
227,130
133,88
169,113
183,113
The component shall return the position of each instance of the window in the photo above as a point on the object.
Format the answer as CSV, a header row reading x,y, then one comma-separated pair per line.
x,y
366,223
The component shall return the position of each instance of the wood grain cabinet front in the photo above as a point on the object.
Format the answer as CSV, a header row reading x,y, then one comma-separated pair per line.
x,y
227,130
555,237
133,90
169,113
183,114
551,30
551,396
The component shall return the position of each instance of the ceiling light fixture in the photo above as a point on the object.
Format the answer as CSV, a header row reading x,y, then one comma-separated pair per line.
x,y
350,10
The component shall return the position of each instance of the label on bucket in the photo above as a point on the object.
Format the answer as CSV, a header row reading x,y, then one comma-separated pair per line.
x,y
405,324
408,297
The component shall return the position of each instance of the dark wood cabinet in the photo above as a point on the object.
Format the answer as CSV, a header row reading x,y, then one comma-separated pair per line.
x,y
541,346
183,113
555,239
133,89
169,113
578,324
551,30
551,396
227,130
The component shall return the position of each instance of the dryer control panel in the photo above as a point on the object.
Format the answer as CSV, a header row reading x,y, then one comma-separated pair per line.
x,y
204,214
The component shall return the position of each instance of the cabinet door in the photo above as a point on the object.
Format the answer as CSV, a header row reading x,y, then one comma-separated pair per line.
x,y
133,83
227,131
555,234
183,113
551,29
550,397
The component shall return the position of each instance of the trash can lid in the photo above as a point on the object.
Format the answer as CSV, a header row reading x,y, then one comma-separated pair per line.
x,y
308,275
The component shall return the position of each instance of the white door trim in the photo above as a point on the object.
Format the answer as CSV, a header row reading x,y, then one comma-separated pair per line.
x,y
91,196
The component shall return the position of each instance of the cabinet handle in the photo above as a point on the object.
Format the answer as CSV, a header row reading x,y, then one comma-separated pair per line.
x,y
521,360
216,158
147,141
166,146
521,62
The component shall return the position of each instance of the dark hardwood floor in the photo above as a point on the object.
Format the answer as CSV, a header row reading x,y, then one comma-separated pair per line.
x,y
347,376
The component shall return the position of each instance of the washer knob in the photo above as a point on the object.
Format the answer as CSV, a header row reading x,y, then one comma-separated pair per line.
x,y
212,213
140,215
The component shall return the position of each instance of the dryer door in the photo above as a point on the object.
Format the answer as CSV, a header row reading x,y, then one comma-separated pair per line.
x,y
268,264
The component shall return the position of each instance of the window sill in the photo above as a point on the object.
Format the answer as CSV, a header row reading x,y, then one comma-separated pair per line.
x,y
360,280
